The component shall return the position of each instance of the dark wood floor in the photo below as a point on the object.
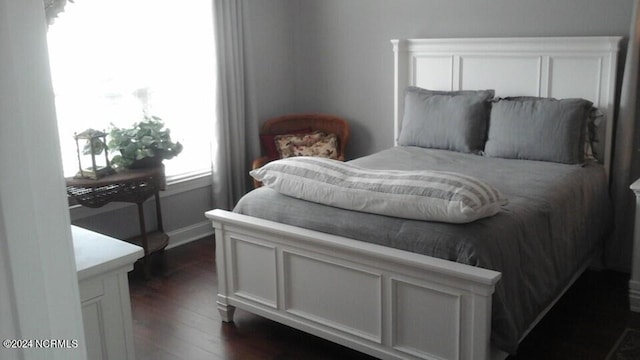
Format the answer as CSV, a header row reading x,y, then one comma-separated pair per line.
x,y
174,317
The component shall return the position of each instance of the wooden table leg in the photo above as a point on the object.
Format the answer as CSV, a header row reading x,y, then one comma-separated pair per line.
x,y
145,242
159,212
159,219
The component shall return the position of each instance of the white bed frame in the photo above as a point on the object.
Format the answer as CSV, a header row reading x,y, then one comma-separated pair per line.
x,y
382,301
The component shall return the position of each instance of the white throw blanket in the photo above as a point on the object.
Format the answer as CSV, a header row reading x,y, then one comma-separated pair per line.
x,y
420,195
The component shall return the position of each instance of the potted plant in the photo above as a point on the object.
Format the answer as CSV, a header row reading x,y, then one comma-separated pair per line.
x,y
146,144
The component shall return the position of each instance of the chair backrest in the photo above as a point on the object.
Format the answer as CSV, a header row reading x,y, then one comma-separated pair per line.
x,y
324,122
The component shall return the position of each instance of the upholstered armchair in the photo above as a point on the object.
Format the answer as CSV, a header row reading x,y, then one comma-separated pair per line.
x,y
300,124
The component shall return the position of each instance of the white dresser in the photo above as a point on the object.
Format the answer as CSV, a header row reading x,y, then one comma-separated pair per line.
x,y
634,282
102,263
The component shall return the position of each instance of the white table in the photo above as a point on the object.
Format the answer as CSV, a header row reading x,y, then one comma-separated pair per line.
x,y
102,263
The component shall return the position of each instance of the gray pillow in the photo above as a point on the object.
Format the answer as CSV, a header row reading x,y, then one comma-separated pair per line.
x,y
543,129
452,120
596,128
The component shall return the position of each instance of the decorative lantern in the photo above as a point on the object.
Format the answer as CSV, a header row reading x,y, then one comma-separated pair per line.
x,y
95,143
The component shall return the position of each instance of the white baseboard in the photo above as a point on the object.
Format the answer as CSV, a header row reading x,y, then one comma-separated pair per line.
x,y
190,233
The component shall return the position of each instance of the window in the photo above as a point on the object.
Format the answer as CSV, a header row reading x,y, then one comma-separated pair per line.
x,y
113,61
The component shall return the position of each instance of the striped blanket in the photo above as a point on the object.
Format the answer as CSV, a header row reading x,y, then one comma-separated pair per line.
x,y
415,194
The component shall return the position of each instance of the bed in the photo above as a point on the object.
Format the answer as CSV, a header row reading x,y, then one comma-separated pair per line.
x,y
409,289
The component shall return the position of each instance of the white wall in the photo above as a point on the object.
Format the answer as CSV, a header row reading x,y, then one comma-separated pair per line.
x,y
38,280
343,58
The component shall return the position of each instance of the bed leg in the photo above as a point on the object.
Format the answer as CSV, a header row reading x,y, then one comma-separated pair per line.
x,y
226,311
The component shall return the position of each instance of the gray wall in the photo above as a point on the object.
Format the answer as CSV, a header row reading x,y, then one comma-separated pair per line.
x,y
343,57
269,43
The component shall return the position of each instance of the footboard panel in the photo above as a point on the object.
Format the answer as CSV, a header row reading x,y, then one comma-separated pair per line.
x,y
385,302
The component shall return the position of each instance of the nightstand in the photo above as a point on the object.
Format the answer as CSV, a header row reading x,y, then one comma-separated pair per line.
x,y
102,264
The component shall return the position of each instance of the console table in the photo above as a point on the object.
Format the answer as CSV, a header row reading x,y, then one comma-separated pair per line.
x,y
133,186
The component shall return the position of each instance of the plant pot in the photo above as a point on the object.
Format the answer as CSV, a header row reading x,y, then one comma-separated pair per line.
x,y
146,163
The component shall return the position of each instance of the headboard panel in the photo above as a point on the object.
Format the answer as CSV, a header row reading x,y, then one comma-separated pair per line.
x,y
560,67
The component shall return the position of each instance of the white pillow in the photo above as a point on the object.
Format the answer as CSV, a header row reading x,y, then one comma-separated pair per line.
x,y
419,195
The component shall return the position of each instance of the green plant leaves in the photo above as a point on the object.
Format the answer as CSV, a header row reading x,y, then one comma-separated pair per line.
x,y
145,139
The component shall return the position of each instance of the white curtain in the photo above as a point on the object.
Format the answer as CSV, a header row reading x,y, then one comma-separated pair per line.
x,y
229,152
626,155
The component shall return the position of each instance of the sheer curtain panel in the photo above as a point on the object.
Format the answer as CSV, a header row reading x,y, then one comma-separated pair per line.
x,y
229,153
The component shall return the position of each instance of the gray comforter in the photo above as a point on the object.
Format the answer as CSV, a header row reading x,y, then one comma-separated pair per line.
x,y
555,219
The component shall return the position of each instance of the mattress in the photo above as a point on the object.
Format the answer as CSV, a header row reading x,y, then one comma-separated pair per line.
x,y
554,222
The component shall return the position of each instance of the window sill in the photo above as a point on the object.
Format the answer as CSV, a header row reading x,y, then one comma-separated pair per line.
x,y
176,184
187,182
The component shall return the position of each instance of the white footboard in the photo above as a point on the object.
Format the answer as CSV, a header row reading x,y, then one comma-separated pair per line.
x,y
381,301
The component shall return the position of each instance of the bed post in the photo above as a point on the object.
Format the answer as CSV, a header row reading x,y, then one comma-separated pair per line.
x,y
226,311
400,82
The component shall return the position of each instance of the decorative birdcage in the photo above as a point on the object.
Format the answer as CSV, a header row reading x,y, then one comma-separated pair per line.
x,y
95,144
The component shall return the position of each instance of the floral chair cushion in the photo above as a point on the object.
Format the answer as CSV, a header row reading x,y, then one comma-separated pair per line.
x,y
269,143
316,143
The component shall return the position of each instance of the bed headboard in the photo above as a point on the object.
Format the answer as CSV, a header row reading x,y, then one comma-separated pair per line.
x,y
560,67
